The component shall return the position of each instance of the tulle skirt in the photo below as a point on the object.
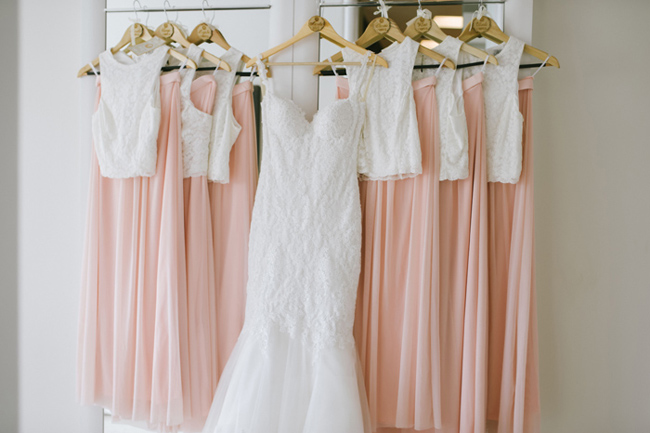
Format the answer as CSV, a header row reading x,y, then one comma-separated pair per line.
x,y
283,386
231,207
129,358
396,324
513,388
194,303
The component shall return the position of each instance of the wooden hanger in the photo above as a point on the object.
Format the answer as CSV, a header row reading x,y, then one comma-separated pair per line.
x,y
486,27
169,32
207,33
427,28
320,25
385,28
141,33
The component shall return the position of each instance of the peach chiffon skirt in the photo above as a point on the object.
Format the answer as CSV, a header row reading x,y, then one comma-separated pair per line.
x,y
463,279
129,358
396,324
194,304
231,207
513,388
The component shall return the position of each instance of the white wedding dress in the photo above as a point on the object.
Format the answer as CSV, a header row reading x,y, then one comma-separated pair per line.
x,y
294,368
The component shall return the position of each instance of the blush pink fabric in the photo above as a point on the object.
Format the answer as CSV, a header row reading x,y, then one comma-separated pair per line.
x,y
231,207
194,304
463,279
513,391
396,324
129,357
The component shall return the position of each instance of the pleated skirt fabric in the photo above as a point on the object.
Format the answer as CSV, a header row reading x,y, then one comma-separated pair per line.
x,y
396,326
463,279
231,207
513,388
194,304
129,358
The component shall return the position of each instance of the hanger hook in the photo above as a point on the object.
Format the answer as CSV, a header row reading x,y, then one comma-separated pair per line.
x,y
205,3
135,10
146,20
165,5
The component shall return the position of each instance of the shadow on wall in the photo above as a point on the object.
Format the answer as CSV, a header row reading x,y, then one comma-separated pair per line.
x,y
9,222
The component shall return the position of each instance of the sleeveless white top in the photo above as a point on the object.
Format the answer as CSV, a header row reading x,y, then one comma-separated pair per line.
x,y
454,148
225,128
196,124
125,125
503,121
390,129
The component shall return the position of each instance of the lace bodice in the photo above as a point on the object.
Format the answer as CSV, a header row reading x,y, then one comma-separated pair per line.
x,y
390,143
196,124
125,125
305,241
503,121
451,110
225,128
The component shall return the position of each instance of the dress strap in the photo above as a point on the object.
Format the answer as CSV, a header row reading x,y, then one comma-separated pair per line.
x,y
329,60
183,64
372,73
93,68
540,68
253,70
485,62
441,66
261,70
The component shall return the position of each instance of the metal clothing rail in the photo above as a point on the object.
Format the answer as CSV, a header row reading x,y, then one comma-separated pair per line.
x,y
413,3
461,66
326,73
201,68
187,9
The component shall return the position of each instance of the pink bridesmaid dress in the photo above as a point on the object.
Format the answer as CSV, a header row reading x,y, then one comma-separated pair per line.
x,y
129,358
513,392
194,304
231,206
396,326
463,279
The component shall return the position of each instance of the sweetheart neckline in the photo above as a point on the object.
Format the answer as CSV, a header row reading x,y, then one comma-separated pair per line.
x,y
303,114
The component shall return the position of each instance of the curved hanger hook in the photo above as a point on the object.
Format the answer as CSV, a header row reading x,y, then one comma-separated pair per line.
x,y
167,4
205,3
135,10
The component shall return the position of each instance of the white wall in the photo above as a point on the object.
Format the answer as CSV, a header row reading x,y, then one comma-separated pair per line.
x,y
592,151
8,221
52,160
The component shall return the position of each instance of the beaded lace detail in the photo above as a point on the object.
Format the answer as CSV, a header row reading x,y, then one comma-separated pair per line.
x,y
454,148
196,124
125,125
305,241
390,143
225,128
503,121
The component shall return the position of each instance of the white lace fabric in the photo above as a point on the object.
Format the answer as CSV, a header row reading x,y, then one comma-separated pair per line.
x,y
390,142
225,128
304,257
454,148
125,125
295,368
196,124
503,121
